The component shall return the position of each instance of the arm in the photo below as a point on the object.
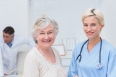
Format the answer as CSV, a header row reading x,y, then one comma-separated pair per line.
x,y
75,76
31,67
72,72
29,41
112,65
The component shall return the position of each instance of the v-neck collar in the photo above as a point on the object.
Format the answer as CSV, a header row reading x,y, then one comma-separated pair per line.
x,y
46,59
97,46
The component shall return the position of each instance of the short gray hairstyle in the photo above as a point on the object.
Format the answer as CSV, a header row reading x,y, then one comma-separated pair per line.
x,y
94,12
43,23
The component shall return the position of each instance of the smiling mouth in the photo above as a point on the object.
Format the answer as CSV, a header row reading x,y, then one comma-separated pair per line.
x,y
89,33
46,41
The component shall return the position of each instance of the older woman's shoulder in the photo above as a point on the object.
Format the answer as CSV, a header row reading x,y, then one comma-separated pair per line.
x,y
55,50
32,53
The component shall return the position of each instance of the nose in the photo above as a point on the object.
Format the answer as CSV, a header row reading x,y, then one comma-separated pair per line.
x,y
89,28
46,36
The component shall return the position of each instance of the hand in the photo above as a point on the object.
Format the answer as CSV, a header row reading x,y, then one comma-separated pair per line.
x,y
75,76
5,74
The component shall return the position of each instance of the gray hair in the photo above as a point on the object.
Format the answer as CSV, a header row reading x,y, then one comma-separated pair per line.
x,y
94,12
43,23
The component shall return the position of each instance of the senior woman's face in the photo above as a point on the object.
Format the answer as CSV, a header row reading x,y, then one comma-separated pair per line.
x,y
46,36
91,27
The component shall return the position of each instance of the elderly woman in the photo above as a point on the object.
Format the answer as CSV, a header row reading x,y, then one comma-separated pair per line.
x,y
94,57
43,60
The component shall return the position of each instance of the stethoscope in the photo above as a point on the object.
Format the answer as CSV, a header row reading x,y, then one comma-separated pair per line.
x,y
80,56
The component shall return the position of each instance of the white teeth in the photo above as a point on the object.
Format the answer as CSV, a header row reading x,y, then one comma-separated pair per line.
x,y
46,41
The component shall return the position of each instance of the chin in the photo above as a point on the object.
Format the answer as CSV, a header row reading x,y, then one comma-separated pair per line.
x,y
5,42
90,37
47,45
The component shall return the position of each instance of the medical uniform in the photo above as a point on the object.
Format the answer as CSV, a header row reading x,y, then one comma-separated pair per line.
x,y
9,54
88,66
1,65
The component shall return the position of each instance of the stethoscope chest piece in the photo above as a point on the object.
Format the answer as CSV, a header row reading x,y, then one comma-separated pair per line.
x,y
78,63
99,66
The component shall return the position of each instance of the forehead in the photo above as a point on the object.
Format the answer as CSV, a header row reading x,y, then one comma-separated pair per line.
x,y
6,34
48,28
90,19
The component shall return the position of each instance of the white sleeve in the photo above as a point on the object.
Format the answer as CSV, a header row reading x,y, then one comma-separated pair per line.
x,y
29,41
31,67
1,65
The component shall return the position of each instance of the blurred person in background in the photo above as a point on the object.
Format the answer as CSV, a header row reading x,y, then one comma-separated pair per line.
x,y
10,45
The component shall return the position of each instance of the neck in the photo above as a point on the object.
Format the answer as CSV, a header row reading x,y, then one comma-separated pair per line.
x,y
9,42
94,41
45,50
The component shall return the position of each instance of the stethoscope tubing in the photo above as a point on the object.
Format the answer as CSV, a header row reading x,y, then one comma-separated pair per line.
x,y
80,56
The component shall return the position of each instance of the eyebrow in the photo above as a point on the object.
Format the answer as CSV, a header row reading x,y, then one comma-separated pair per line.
x,y
49,30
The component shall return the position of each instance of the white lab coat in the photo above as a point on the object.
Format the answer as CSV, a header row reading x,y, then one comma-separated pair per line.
x,y
9,55
1,65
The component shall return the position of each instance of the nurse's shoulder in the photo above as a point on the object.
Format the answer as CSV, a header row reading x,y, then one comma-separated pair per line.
x,y
108,47
78,48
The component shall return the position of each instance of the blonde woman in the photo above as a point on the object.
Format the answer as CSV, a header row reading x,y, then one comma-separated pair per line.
x,y
94,57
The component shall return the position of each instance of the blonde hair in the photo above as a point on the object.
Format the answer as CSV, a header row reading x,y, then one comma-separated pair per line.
x,y
43,23
94,12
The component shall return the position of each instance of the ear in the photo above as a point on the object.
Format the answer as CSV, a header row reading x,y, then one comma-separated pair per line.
x,y
12,36
102,26
35,37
